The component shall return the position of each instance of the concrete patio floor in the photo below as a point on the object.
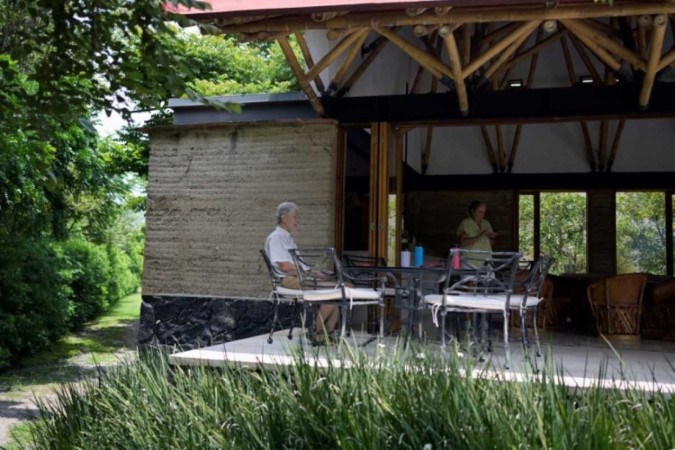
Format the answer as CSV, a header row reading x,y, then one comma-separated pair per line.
x,y
580,360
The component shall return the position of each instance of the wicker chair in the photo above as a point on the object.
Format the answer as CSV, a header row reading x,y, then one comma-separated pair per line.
x,y
616,304
658,318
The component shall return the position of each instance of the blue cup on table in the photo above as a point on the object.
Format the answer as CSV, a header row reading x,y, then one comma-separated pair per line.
x,y
419,256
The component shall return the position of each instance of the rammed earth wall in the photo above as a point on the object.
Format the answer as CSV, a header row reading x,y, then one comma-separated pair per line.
x,y
212,192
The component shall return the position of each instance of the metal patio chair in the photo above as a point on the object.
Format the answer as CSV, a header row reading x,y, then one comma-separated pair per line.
x,y
323,280
279,293
486,288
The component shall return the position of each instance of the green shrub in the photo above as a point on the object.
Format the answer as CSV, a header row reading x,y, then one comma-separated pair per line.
x,y
124,279
34,298
89,271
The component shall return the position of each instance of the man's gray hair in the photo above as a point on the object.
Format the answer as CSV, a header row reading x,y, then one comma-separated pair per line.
x,y
285,208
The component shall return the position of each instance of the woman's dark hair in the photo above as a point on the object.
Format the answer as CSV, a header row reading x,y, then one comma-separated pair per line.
x,y
474,205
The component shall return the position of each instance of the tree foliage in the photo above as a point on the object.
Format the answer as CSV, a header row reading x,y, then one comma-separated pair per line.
x,y
641,232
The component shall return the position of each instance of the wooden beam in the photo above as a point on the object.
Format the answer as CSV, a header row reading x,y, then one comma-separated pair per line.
x,y
309,61
417,79
581,51
500,33
615,144
297,70
456,66
367,19
600,52
432,64
500,46
347,63
654,57
514,148
489,148
332,55
377,47
643,23
426,154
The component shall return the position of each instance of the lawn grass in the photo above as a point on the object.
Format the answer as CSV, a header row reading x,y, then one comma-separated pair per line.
x,y
97,343
423,402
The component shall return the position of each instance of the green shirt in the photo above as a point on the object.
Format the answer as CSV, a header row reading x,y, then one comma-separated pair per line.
x,y
469,227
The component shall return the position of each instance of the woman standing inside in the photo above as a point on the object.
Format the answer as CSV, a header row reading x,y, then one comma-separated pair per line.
x,y
474,232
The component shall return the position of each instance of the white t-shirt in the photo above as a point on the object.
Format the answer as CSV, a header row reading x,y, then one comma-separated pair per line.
x,y
277,246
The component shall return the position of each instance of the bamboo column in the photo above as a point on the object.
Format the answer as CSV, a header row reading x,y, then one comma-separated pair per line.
x,y
615,144
500,148
608,44
654,58
489,148
602,54
456,66
332,55
295,67
377,47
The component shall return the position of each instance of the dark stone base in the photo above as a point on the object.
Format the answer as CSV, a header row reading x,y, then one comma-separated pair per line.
x,y
189,322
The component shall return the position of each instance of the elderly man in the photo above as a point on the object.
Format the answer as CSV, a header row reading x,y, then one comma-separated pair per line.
x,y
277,246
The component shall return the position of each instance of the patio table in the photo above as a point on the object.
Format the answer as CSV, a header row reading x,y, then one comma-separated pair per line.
x,y
410,282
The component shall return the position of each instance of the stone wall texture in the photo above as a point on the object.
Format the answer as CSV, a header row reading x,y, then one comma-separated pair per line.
x,y
212,193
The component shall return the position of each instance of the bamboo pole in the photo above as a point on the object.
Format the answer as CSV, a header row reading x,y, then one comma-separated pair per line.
x,y
609,44
466,44
426,155
309,61
492,51
654,57
643,23
416,80
432,64
377,47
500,33
530,81
585,59
399,194
340,162
569,64
349,59
514,148
534,49
332,55
500,148
600,52
602,147
295,67
489,148
383,189
615,144
456,66
366,19
667,60
510,50
588,144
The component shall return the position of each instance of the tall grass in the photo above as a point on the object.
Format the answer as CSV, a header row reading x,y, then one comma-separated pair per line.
x,y
386,403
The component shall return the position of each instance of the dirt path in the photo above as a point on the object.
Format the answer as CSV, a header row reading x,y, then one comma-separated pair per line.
x,y
18,404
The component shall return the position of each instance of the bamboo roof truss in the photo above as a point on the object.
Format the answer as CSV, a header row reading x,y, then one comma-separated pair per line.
x,y
466,49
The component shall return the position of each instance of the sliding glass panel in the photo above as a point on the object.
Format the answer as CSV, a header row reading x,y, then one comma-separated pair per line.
x,y
641,232
563,230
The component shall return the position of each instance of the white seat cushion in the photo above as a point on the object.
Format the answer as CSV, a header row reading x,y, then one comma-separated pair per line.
x,y
483,302
362,293
322,295
286,292
517,300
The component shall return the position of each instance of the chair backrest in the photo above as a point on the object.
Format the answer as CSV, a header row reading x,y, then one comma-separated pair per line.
x,y
315,266
274,274
624,289
533,283
495,275
363,261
